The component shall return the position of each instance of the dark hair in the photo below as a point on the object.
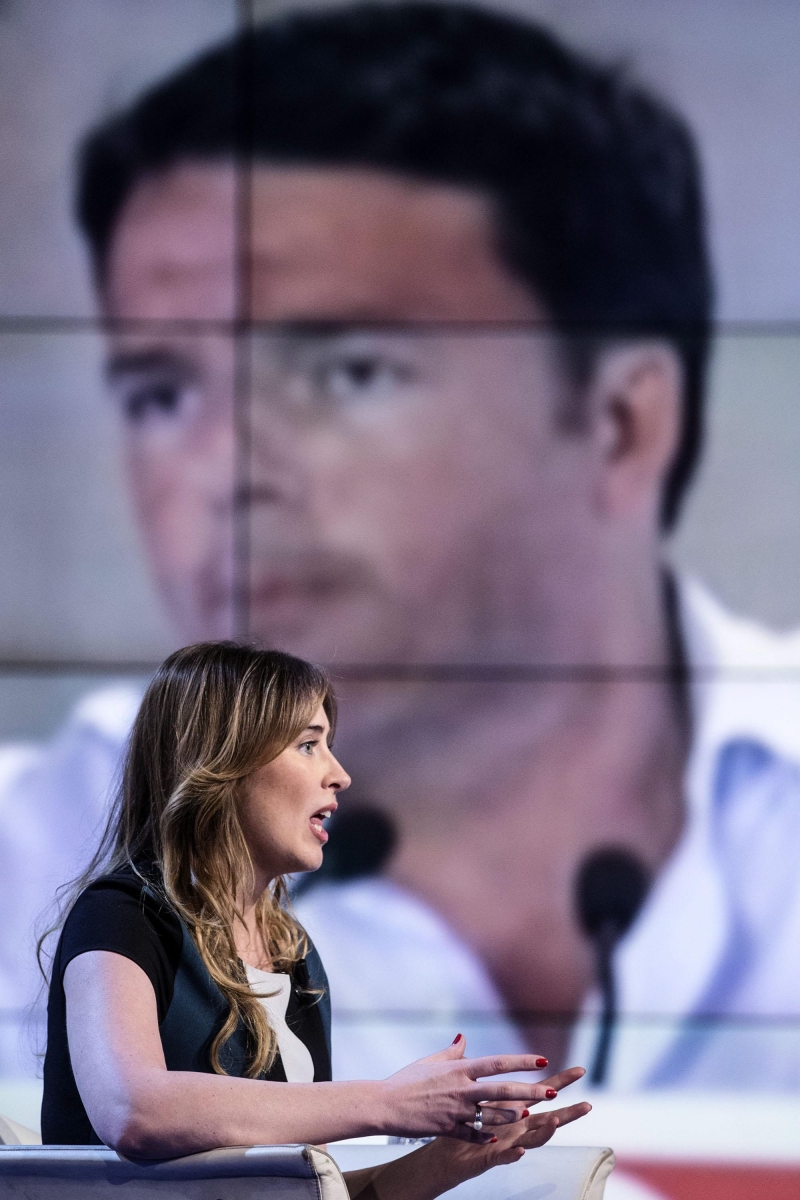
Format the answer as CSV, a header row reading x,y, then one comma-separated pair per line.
x,y
595,185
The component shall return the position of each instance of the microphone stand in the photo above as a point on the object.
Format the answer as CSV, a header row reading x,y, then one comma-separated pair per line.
x,y
605,941
610,887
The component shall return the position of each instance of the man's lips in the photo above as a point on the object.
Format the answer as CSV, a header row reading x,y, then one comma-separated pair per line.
x,y
308,575
272,593
282,578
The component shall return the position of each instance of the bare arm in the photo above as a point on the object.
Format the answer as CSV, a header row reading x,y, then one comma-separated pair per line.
x,y
139,1107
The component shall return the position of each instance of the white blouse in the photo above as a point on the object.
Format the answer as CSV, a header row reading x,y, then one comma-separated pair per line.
x,y
273,990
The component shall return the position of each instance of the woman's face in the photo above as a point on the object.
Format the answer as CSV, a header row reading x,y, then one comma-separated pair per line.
x,y
285,803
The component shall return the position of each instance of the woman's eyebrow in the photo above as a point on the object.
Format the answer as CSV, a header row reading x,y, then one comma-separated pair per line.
x,y
314,729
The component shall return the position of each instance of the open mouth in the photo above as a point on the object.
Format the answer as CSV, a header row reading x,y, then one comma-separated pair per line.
x,y
316,823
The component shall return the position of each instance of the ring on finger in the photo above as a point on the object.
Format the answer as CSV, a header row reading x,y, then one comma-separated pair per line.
x,y
477,1123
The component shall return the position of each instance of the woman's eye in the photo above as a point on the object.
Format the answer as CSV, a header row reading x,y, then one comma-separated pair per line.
x,y
307,747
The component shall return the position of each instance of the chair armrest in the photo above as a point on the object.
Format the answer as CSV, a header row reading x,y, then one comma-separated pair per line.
x,y
240,1172
558,1172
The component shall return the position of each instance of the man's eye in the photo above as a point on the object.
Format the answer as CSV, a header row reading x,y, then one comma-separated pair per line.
x,y
360,376
158,398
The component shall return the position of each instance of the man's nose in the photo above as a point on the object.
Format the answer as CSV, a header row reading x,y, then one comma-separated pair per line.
x,y
274,465
215,462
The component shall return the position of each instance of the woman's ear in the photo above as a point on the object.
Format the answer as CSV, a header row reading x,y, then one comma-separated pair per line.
x,y
635,403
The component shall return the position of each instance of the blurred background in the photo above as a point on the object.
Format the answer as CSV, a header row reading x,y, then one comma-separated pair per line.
x,y
87,607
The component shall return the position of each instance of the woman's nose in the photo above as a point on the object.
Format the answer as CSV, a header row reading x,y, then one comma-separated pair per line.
x,y
340,780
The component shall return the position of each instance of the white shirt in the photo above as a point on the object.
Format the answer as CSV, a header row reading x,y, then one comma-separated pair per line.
x,y
273,990
720,932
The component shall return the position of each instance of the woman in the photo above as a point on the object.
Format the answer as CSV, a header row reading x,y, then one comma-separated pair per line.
x,y
187,1008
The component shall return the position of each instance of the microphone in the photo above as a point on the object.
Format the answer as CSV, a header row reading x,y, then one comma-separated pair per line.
x,y
610,888
362,840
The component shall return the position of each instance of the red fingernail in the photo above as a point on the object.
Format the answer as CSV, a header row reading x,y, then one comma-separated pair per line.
x,y
550,1094
492,1140
541,1062
456,1039
526,1112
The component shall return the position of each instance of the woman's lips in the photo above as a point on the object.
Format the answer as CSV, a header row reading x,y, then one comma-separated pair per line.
x,y
319,829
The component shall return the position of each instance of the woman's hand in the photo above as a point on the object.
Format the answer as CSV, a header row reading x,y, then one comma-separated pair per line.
x,y
440,1094
552,1087
455,1161
445,1162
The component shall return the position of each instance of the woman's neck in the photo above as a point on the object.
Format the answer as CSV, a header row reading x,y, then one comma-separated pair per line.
x,y
247,934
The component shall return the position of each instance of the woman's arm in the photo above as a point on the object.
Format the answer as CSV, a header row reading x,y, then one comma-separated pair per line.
x,y
139,1107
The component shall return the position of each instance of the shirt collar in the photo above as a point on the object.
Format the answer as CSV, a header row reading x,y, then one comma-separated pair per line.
x,y
742,687
743,679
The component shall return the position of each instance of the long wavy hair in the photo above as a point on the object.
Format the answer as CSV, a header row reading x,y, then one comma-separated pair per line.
x,y
213,713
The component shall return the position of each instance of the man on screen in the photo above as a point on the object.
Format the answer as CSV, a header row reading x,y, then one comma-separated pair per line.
x,y
444,458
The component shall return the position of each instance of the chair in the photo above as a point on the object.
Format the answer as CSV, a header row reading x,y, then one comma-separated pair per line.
x,y
549,1173
232,1173
35,1172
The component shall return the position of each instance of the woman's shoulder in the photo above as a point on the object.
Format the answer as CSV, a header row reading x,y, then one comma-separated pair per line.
x,y
140,883
125,889
122,911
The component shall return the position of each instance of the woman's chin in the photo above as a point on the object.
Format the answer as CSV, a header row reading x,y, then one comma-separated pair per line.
x,y
301,864
311,860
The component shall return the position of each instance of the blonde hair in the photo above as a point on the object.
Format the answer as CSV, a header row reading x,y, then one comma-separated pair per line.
x,y
213,713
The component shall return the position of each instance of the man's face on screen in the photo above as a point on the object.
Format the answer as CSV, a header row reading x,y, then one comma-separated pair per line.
x,y
374,474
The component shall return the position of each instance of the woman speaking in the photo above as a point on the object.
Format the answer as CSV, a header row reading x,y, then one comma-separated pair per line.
x,y
188,1009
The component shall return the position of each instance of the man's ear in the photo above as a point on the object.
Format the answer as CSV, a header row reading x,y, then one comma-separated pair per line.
x,y
635,402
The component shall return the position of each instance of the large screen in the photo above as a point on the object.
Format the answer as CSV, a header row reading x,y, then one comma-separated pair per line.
x,y
456,349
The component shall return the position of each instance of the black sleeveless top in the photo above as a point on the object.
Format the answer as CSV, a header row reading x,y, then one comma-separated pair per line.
x,y
118,913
